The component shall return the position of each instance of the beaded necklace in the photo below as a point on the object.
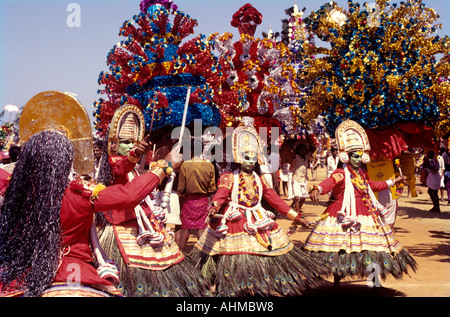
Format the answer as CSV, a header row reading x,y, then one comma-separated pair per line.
x,y
360,182
244,196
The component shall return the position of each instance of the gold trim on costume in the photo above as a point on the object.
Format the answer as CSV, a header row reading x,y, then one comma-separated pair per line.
x,y
265,181
97,190
114,159
338,177
226,180
158,171
292,214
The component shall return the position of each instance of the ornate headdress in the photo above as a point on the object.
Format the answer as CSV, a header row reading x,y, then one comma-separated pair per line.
x,y
60,111
246,139
351,137
128,123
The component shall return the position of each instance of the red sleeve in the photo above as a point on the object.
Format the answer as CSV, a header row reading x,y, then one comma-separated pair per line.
x,y
126,196
378,186
337,177
4,181
120,165
224,187
276,201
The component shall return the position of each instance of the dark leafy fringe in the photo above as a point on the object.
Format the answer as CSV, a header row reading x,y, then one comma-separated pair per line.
x,y
244,275
179,280
363,263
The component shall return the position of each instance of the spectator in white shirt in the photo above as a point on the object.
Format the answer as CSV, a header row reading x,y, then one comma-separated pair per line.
x,y
332,161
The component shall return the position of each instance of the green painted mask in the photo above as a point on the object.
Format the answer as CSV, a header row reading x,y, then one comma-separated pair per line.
x,y
355,159
249,161
125,146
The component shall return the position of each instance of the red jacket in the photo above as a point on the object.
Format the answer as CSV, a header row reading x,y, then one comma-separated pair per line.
x,y
77,214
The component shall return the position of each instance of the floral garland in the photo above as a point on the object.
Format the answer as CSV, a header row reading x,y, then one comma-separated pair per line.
x,y
244,195
360,182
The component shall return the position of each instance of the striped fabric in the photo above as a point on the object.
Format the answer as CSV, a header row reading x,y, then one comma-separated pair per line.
x,y
242,242
330,236
145,256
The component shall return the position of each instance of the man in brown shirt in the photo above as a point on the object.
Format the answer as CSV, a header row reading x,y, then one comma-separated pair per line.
x,y
196,183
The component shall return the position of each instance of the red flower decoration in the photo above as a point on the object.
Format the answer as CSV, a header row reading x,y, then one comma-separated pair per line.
x,y
246,19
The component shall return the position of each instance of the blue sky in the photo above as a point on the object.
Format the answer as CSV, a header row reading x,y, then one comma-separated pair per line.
x,y
39,51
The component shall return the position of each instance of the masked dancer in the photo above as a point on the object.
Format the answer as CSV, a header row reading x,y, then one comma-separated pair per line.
x,y
149,261
351,235
243,250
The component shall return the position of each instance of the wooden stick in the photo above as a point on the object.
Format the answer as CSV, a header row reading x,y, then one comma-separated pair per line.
x,y
165,199
183,122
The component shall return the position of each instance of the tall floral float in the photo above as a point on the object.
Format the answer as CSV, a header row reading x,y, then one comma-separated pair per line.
x,y
380,70
299,41
258,75
153,68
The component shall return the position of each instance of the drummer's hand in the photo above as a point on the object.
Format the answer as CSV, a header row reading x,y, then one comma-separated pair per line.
x,y
314,195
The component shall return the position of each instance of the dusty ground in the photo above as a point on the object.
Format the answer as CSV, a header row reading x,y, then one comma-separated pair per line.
x,y
425,235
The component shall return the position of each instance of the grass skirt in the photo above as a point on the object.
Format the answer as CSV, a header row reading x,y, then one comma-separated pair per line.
x,y
374,247
179,280
361,264
241,275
